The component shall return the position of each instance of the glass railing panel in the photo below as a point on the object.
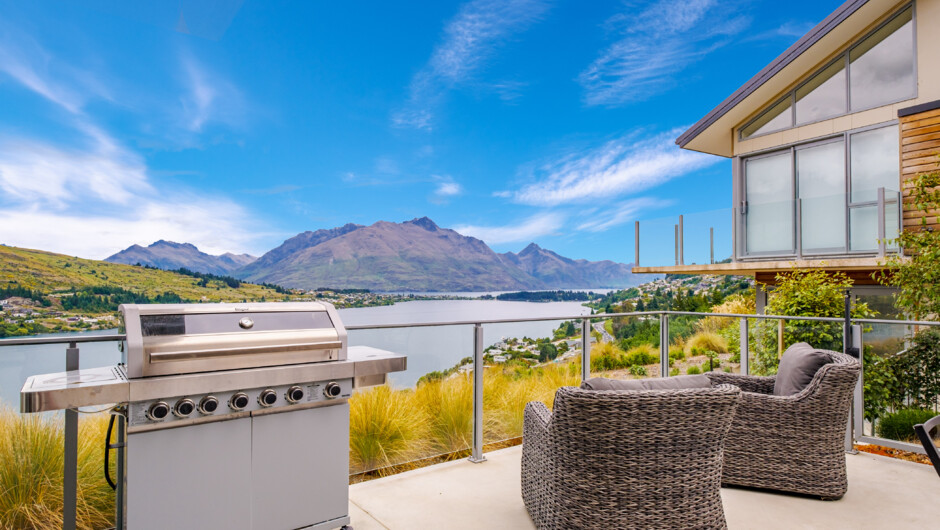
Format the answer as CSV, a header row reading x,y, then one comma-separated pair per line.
x,y
634,351
707,237
658,241
32,451
704,344
769,338
422,414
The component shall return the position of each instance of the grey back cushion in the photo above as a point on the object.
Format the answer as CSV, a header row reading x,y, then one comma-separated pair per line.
x,y
798,366
663,383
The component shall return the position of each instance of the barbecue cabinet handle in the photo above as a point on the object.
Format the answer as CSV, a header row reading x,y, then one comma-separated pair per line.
x,y
162,357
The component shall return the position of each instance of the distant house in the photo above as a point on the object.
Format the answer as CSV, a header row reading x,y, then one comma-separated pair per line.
x,y
823,140
500,358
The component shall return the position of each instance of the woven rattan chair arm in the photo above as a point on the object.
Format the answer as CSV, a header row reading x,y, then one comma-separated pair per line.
x,y
747,383
537,415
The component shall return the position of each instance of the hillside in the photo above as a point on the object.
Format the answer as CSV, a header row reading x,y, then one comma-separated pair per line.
x,y
168,255
49,273
419,255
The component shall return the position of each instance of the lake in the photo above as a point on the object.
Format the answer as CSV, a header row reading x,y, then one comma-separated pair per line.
x,y
428,349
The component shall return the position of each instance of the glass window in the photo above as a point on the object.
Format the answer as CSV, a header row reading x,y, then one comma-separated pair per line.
x,y
776,118
875,163
864,222
820,171
881,67
823,96
769,195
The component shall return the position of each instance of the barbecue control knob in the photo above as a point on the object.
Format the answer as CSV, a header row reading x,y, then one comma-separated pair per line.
x,y
332,390
184,407
238,401
158,411
208,404
267,398
294,394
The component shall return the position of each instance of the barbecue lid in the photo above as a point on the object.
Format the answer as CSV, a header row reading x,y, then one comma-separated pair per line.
x,y
168,339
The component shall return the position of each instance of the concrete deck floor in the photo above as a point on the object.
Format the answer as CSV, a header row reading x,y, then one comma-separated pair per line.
x,y
883,493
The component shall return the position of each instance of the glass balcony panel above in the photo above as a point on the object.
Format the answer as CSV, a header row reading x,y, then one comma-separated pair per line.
x,y
863,223
881,68
823,96
821,179
769,223
874,159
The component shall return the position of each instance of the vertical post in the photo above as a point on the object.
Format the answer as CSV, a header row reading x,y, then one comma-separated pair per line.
x,y
881,222
799,229
585,349
663,345
636,244
711,244
476,455
745,348
858,399
70,471
681,242
780,328
119,475
734,233
676,241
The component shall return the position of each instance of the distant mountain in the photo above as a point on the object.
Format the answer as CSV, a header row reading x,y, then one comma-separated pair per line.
x,y
558,271
168,255
418,255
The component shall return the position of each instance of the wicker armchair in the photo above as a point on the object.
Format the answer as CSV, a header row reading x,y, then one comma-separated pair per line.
x,y
627,459
791,443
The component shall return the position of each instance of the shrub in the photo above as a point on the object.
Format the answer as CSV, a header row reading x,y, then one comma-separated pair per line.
x,y
707,341
673,371
638,370
693,370
641,355
385,428
900,425
676,354
736,304
607,356
735,357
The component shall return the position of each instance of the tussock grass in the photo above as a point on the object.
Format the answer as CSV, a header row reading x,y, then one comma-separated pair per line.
x,y
449,409
31,462
707,341
384,429
737,304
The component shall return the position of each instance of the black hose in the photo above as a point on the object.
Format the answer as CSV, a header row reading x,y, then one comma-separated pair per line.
x,y
107,452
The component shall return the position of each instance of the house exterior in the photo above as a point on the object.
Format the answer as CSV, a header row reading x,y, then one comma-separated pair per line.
x,y
824,139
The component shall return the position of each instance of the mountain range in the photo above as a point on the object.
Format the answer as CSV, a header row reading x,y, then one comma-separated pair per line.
x,y
168,255
415,255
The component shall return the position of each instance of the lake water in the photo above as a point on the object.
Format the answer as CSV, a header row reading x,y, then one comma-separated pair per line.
x,y
428,349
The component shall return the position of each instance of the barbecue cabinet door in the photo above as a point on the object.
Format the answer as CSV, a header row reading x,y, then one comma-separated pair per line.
x,y
190,477
300,468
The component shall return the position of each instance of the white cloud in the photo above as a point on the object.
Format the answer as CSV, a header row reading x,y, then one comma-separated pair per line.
x,y
618,214
470,38
625,165
656,45
538,225
208,97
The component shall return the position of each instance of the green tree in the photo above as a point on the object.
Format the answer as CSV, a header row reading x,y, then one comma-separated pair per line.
x,y
917,275
806,293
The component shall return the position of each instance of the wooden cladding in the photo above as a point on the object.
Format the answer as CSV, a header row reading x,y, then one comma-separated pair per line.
x,y
920,153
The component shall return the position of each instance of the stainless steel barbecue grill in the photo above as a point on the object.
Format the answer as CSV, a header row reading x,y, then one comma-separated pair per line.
x,y
230,416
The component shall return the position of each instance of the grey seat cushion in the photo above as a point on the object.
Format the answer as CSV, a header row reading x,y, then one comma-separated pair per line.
x,y
662,383
797,367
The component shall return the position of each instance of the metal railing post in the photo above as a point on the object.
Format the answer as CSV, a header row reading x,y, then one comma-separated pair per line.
x,y
476,455
857,424
676,241
70,471
636,244
585,349
663,345
681,242
799,229
745,348
711,244
734,233
881,223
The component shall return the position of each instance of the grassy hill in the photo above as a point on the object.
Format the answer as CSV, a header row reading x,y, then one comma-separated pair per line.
x,y
56,273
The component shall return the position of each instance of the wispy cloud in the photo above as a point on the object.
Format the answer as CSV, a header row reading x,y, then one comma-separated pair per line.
x,y
655,45
626,165
445,189
470,39
541,224
618,214
208,97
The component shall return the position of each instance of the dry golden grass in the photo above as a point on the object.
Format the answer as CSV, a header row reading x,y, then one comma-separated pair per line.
x,y
31,462
736,304
707,341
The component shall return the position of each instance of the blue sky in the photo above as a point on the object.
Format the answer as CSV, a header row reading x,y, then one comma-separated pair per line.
x,y
234,125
